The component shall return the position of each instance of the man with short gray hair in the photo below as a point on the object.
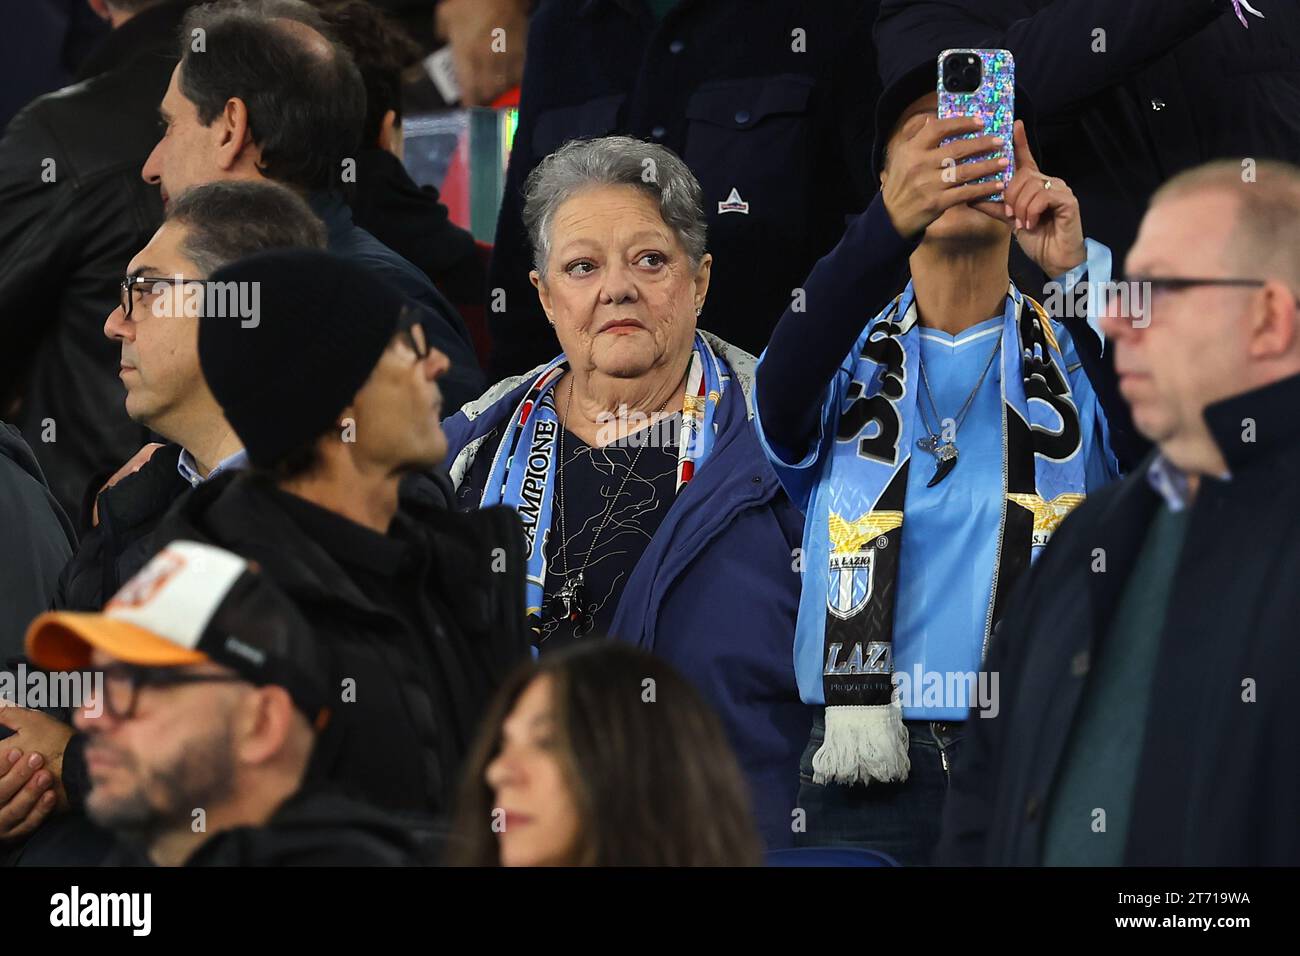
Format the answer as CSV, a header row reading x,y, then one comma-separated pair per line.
x,y
156,327
1143,709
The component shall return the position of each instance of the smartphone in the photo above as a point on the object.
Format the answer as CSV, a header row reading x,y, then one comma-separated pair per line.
x,y
982,83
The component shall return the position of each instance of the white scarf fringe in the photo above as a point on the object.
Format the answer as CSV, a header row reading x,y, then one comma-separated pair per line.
x,y
862,744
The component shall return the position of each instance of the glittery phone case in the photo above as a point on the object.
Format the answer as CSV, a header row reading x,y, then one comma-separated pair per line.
x,y
994,101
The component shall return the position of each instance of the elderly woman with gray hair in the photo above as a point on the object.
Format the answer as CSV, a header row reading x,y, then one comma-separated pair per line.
x,y
650,513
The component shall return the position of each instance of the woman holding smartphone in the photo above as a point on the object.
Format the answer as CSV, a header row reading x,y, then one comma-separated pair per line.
x,y
932,450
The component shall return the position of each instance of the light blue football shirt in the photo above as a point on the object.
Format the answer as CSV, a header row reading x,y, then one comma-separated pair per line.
x,y
950,532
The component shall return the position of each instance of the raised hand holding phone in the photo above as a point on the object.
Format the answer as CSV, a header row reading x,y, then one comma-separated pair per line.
x,y
981,84
1044,212
926,170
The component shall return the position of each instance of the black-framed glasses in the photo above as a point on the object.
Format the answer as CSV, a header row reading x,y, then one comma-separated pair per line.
x,y
412,329
1180,283
122,683
136,287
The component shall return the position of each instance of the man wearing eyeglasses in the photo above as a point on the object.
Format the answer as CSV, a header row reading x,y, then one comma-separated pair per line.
x,y
334,395
209,690
156,331
155,327
1146,669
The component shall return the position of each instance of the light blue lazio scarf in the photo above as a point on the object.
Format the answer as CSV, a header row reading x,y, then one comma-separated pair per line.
x,y
1042,478
523,471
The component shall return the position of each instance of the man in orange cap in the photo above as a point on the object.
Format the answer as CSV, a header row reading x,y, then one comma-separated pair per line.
x,y
201,729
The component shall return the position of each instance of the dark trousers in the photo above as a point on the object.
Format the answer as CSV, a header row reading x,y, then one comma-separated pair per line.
x,y
901,819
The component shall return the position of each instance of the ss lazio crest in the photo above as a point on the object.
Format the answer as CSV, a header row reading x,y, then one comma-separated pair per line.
x,y
853,559
1048,514
849,588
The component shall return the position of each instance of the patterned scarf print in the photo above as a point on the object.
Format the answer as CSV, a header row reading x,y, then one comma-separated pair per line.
x,y
523,471
1043,476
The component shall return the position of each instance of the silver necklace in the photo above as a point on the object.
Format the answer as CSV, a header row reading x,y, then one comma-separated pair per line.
x,y
570,602
945,450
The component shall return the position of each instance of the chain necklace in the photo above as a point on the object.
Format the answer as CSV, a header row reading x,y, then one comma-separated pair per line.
x,y
944,450
570,602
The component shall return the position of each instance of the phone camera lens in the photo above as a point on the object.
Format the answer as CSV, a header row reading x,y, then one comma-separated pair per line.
x,y
961,73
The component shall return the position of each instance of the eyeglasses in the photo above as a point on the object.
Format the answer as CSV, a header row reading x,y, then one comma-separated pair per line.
x,y
409,325
1180,283
132,288
122,683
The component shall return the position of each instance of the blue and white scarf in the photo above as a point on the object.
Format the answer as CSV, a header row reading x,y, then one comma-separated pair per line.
x,y
523,471
1043,475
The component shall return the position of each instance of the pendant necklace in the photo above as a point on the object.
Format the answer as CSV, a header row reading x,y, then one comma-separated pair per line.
x,y
570,602
943,449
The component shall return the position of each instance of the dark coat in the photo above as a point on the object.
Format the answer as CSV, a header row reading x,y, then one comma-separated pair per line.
x,y
411,221
399,743
41,47
714,592
120,544
65,245
317,829
38,539
1178,84
312,828
748,101
444,328
1216,783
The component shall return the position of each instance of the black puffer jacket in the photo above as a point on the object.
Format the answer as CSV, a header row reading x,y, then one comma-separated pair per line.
x,y
317,829
409,702
311,828
120,544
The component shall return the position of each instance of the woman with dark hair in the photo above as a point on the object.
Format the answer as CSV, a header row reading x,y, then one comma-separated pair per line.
x,y
602,755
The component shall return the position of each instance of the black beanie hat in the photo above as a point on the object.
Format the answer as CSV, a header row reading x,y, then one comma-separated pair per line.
x,y
283,374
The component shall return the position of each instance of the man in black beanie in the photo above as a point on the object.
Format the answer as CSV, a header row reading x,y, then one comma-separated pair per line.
x,y
325,375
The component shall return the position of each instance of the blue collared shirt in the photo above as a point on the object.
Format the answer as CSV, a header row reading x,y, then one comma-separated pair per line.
x,y
1170,482
189,470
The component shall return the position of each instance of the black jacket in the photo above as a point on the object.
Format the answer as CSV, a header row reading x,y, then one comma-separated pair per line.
x,y
42,46
67,232
409,702
317,829
1216,784
771,98
312,828
411,221
444,328
38,539
121,544
1178,84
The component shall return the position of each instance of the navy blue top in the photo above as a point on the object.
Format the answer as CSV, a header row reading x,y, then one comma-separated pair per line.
x,y
443,326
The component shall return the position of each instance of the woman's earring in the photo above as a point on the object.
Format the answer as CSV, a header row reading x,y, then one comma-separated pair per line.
x,y
699,309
